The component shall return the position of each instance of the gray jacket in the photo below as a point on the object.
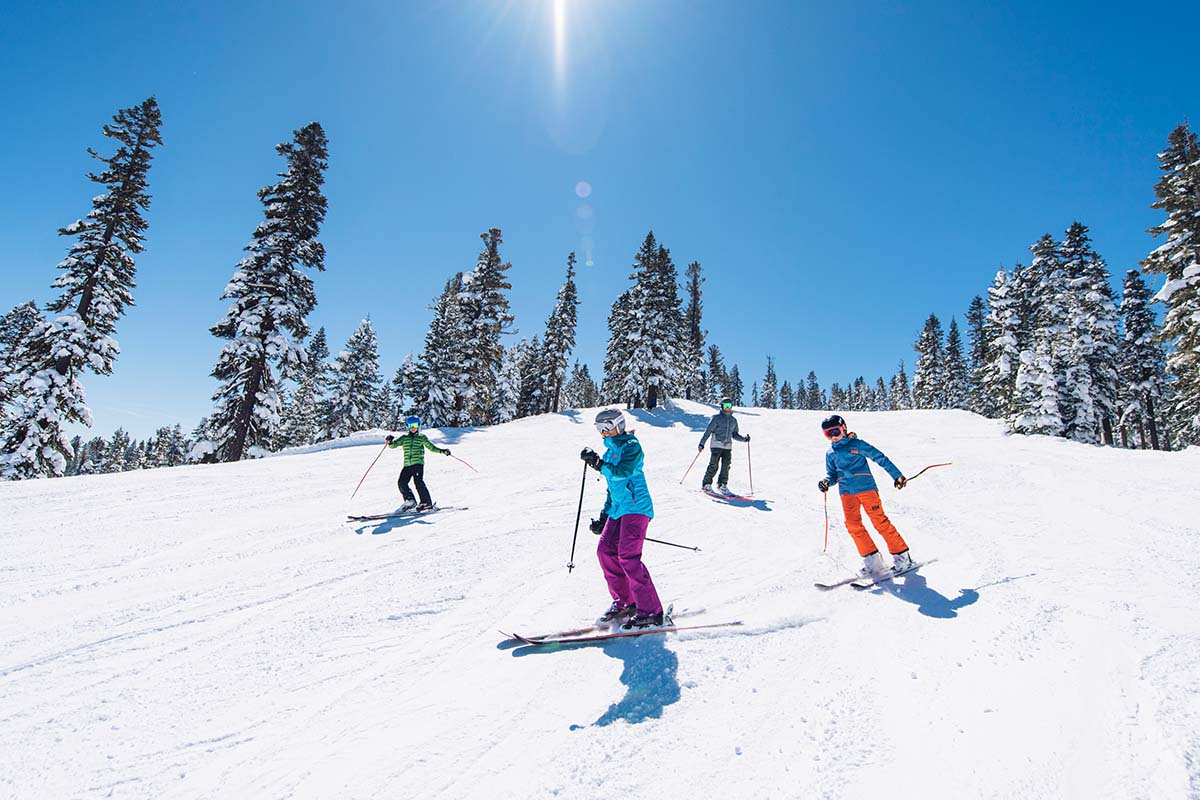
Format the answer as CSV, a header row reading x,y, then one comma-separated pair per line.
x,y
723,430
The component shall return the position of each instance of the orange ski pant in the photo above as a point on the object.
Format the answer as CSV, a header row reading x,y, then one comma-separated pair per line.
x,y
853,504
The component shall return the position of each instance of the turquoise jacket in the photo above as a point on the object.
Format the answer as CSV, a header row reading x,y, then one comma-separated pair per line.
x,y
846,465
622,469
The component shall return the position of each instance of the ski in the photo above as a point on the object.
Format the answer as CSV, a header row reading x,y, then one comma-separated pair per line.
x,y
622,634
590,629
867,583
723,496
398,514
858,582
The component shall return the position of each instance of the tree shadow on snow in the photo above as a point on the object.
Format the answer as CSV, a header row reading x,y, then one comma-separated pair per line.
x,y
650,674
668,417
914,588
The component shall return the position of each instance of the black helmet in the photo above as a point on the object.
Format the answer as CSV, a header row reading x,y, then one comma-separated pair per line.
x,y
833,421
725,401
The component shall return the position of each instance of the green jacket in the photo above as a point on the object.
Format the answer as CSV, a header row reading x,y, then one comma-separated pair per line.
x,y
415,445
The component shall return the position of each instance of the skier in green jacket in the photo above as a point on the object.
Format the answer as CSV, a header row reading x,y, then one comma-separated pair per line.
x,y
415,444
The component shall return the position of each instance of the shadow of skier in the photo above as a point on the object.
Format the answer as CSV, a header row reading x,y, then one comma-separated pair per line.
x,y
913,588
651,674
757,505
386,526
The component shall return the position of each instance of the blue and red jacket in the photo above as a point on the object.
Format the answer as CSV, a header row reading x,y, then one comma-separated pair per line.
x,y
846,465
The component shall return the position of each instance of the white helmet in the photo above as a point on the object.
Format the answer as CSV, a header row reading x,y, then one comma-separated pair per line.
x,y
609,419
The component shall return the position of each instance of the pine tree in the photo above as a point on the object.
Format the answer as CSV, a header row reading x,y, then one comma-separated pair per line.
x,y
97,284
812,393
693,378
508,385
955,374
403,384
1048,346
1178,259
755,400
768,397
883,400
272,297
1142,366
1037,401
620,385
978,357
1002,331
929,379
559,341
658,326
718,380
735,388
486,318
442,379
530,395
355,401
306,414
582,391
1092,369
787,398
901,394
114,456
15,327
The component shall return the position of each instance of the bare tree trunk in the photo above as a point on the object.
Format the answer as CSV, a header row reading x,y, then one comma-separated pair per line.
x,y
1153,423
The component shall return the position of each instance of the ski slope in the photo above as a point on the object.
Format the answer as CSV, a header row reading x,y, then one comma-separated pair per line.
x,y
221,631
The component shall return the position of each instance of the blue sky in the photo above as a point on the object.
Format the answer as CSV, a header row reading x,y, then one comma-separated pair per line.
x,y
839,174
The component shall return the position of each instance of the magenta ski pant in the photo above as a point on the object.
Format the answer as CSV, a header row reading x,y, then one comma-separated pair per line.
x,y
620,553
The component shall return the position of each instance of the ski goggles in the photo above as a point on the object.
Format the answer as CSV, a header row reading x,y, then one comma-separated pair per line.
x,y
837,430
606,425
727,406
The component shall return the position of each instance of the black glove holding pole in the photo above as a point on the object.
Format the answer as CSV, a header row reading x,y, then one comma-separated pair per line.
x,y
591,458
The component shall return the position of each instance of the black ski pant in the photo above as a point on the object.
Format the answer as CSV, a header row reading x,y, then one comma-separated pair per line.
x,y
722,456
415,473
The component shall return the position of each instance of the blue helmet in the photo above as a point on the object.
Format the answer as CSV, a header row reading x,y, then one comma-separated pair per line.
x,y
412,422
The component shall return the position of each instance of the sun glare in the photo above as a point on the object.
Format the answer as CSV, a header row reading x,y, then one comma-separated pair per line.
x,y
560,45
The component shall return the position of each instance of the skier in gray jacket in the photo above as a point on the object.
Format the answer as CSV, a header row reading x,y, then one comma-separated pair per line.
x,y
723,428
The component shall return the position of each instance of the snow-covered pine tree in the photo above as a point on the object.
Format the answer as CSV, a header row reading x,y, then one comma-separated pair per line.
x,y
97,284
404,384
859,399
531,390
355,400
901,394
508,385
1049,343
735,389
559,342
1178,259
582,391
15,327
929,378
768,396
486,318
787,397
693,378
659,332
1092,326
813,400
978,357
837,398
1002,331
1036,404
622,334
442,379
956,374
755,400
114,455
1141,364
883,400
717,379
272,297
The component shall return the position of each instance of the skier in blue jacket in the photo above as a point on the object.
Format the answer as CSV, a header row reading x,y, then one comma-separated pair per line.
x,y
846,465
627,512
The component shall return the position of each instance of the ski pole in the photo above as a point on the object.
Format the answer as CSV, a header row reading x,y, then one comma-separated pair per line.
x,y
684,546
750,467
931,466
364,477
456,458
825,494
582,486
689,469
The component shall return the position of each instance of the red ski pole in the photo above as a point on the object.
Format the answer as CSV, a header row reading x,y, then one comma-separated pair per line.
x,y
931,466
456,458
364,477
689,469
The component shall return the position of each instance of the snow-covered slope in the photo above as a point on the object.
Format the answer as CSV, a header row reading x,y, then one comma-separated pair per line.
x,y
221,631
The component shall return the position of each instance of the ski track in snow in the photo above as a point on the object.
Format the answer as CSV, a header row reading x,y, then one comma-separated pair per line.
x,y
218,631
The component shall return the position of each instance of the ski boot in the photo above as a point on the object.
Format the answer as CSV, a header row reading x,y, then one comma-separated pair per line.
x,y
872,566
901,562
723,489
423,507
618,612
641,622
407,505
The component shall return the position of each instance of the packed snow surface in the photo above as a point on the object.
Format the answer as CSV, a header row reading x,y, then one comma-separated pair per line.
x,y
223,631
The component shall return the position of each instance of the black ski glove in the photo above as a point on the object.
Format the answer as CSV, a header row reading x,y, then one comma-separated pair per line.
x,y
597,525
590,457
823,485
700,448
388,438
747,438
901,482
446,452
